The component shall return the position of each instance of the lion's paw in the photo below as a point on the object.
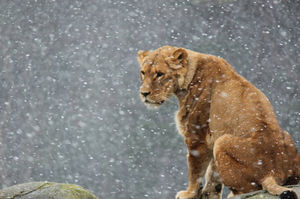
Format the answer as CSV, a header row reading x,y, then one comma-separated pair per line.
x,y
186,195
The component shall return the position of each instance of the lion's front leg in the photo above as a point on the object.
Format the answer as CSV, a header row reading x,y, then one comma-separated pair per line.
x,y
213,185
198,160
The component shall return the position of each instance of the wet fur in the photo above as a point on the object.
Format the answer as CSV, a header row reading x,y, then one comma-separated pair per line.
x,y
228,125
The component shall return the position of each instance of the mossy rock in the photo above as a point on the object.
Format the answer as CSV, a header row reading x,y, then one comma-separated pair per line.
x,y
264,194
45,190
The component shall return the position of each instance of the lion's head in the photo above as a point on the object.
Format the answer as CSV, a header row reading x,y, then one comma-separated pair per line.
x,y
162,72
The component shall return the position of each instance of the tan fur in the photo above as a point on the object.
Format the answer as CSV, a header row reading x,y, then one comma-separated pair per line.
x,y
228,125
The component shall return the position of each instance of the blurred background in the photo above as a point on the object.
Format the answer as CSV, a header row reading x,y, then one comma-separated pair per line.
x,y
69,105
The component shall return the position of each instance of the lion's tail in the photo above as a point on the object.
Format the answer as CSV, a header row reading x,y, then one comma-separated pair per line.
x,y
294,155
297,166
269,184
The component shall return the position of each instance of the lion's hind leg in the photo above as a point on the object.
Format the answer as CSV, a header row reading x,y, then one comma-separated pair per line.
x,y
269,184
237,164
244,167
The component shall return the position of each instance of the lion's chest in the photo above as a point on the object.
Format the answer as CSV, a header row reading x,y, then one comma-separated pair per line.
x,y
191,121
180,124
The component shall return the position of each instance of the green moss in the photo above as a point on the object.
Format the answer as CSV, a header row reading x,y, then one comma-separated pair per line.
x,y
46,190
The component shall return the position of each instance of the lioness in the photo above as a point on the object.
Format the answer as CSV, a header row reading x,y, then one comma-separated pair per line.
x,y
229,126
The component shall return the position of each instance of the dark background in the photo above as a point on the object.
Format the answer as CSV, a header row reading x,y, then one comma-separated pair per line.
x,y
69,105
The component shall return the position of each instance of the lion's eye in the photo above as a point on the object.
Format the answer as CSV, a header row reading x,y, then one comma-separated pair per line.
x,y
159,74
142,76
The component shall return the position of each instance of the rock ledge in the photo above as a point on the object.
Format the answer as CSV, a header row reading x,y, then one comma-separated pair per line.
x,y
264,194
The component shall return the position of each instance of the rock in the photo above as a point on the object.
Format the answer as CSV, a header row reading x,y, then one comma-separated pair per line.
x,y
45,190
264,194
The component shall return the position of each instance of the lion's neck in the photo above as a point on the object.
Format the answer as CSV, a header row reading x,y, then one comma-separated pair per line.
x,y
193,63
198,90
194,70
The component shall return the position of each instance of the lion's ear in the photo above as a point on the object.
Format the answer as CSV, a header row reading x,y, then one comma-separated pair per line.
x,y
180,54
142,55
178,59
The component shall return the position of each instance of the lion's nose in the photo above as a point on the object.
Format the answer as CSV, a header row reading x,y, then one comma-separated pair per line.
x,y
145,94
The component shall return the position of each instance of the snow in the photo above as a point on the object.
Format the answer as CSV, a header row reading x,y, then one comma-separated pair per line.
x,y
69,104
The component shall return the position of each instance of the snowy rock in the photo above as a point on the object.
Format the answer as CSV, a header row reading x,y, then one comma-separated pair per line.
x,y
45,190
263,194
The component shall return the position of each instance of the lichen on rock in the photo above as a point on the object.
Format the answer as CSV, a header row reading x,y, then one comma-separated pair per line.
x,y
45,190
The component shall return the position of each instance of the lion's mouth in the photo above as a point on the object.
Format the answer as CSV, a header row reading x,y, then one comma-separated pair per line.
x,y
155,103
